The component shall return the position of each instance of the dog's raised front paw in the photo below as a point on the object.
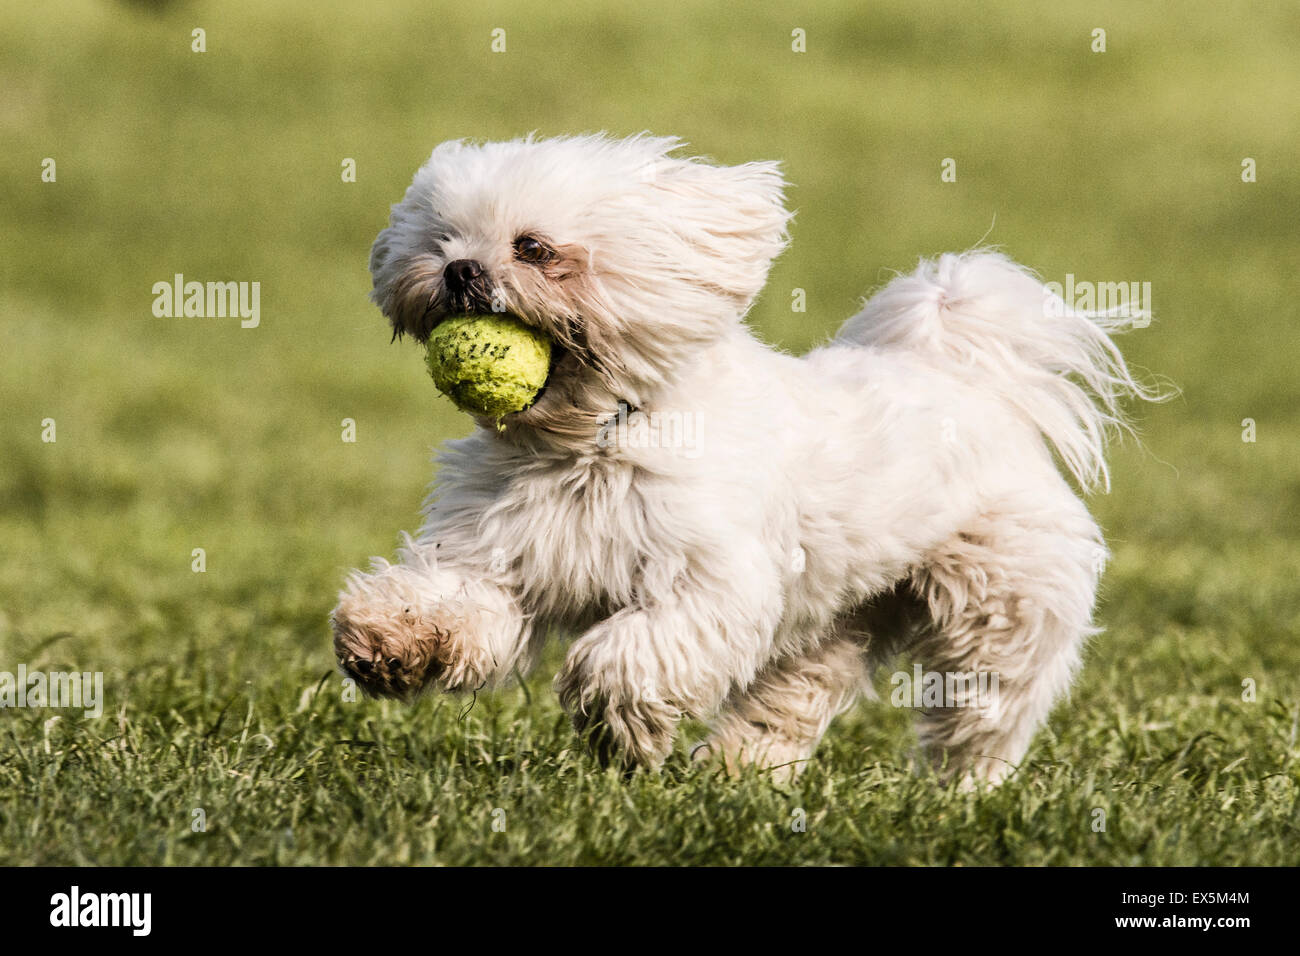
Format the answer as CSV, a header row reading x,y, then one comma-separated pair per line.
x,y
391,652
401,629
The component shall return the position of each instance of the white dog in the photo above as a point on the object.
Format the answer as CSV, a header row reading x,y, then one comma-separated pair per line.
x,y
734,533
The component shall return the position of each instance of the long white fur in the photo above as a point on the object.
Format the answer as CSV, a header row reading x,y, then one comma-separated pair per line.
x,y
893,490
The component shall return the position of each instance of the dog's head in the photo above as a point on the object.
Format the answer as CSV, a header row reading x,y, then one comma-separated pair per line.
x,y
628,257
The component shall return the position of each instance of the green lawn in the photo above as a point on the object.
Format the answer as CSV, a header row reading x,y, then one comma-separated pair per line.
x,y
177,434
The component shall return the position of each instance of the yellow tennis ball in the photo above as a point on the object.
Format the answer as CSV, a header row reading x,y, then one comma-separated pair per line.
x,y
488,364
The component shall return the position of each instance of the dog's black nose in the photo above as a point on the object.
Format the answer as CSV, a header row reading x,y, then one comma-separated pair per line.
x,y
460,273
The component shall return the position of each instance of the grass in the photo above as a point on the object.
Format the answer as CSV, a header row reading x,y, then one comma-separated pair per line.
x,y
181,434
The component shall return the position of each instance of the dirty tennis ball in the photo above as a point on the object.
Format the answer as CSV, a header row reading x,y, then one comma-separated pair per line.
x,y
488,364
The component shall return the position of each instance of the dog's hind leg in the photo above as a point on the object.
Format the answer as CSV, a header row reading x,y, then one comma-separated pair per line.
x,y
776,721
1011,602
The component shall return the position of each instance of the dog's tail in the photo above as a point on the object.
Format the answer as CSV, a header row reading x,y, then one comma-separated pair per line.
x,y
984,318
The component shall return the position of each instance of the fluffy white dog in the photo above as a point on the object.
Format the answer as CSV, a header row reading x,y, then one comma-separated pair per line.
x,y
734,533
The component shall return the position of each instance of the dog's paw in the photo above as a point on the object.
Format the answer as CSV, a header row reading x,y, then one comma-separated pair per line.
x,y
781,761
626,724
389,651
401,630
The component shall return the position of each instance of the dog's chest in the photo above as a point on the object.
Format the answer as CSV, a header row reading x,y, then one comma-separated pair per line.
x,y
583,538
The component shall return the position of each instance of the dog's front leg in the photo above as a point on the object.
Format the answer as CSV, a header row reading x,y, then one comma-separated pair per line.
x,y
629,680
427,621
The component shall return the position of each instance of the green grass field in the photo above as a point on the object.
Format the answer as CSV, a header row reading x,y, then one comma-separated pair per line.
x,y
177,434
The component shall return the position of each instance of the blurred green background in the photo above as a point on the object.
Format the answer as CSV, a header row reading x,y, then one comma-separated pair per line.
x,y
175,434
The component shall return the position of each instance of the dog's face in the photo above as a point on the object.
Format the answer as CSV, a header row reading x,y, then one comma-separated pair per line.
x,y
629,258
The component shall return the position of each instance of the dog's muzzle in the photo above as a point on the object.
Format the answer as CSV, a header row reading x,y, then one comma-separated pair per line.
x,y
467,285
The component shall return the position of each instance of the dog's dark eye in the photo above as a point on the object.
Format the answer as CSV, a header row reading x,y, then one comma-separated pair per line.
x,y
528,249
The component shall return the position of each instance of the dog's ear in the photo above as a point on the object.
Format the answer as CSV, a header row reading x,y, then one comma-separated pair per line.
x,y
382,275
403,274
733,216
404,288
404,285
379,253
